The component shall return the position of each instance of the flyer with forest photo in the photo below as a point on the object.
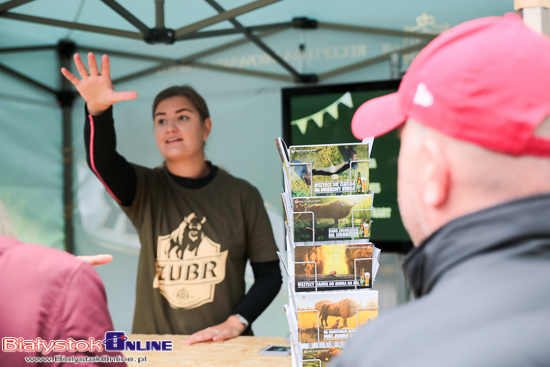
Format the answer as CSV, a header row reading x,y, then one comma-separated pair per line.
x,y
329,170
329,219
334,267
319,357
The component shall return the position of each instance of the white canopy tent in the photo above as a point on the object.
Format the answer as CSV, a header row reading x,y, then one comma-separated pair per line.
x,y
238,59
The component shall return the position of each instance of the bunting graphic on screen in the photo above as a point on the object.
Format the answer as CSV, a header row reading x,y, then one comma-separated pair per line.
x,y
318,116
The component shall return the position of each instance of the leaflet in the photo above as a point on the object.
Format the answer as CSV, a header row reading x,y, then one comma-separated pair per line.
x,y
329,170
334,267
334,316
315,357
333,219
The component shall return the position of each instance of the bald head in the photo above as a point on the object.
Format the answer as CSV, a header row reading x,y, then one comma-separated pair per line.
x,y
441,178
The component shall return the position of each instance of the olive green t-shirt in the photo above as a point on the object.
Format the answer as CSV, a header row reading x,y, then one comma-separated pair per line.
x,y
194,247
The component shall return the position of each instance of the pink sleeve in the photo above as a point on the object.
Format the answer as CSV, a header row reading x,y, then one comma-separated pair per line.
x,y
82,312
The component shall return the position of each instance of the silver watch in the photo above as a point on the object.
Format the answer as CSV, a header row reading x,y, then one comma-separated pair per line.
x,y
242,320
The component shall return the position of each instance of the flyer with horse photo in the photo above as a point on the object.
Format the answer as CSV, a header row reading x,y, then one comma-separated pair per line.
x,y
330,219
329,170
334,267
334,316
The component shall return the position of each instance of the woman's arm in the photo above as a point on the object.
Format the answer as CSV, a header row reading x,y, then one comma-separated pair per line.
x,y
267,283
115,173
96,88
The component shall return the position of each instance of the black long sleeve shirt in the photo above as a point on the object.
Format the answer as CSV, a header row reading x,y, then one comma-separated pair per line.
x,y
120,180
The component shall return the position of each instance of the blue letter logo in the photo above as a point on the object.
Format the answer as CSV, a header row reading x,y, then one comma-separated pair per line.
x,y
114,341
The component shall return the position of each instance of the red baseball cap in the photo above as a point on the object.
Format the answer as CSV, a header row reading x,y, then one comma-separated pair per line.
x,y
486,81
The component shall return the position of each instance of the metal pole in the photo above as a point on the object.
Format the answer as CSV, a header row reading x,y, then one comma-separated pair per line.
x,y
72,25
12,4
230,31
372,30
371,61
159,13
395,65
25,78
223,16
127,15
188,59
257,41
65,97
535,14
26,49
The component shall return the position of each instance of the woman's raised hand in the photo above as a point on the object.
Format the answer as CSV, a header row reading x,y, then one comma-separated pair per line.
x,y
95,86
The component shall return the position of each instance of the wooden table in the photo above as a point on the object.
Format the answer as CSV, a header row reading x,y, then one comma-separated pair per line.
x,y
240,351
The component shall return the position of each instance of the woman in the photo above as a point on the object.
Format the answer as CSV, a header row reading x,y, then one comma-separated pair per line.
x,y
197,224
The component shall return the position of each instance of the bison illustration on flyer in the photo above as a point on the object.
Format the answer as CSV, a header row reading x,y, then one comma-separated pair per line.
x,y
345,309
189,265
331,219
334,316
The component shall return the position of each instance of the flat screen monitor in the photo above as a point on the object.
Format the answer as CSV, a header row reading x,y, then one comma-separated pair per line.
x,y
322,115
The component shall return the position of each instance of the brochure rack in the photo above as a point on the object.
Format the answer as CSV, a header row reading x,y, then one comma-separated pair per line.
x,y
330,261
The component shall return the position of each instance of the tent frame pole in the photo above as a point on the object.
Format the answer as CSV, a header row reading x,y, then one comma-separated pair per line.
x,y
127,15
26,79
159,13
7,50
12,4
297,76
72,25
65,98
180,32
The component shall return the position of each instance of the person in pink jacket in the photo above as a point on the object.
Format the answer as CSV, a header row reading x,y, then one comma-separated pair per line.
x,y
49,295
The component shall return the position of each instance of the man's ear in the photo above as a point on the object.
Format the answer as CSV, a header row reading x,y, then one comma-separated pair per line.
x,y
437,178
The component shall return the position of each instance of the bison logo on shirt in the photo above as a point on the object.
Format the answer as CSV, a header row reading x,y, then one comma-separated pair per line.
x,y
189,265
192,236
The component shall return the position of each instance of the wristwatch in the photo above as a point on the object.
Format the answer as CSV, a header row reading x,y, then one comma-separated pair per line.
x,y
242,320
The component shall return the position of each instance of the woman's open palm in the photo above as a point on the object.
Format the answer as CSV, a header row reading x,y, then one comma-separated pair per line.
x,y
95,86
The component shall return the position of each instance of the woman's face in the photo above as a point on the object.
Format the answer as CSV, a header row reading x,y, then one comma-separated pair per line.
x,y
179,131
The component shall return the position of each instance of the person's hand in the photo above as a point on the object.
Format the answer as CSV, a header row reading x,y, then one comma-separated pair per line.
x,y
228,329
96,87
95,260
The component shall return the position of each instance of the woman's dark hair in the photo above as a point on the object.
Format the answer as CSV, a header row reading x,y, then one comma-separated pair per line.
x,y
183,91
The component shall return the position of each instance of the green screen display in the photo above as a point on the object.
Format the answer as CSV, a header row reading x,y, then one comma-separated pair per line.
x,y
322,115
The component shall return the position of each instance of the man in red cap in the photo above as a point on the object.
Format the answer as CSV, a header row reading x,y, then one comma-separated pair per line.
x,y
474,195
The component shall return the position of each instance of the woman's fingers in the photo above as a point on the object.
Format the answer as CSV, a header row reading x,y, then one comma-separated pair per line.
x,y
98,90
200,336
80,67
70,76
222,335
124,96
105,67
92,64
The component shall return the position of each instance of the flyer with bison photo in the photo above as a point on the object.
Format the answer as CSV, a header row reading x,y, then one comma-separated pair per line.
x,y
334,316
335,267
329,170
315,357
332,219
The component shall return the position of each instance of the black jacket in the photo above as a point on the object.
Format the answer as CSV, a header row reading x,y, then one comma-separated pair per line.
x,y
483,288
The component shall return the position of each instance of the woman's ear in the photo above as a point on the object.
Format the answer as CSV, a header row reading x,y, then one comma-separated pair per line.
x,y
207,127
